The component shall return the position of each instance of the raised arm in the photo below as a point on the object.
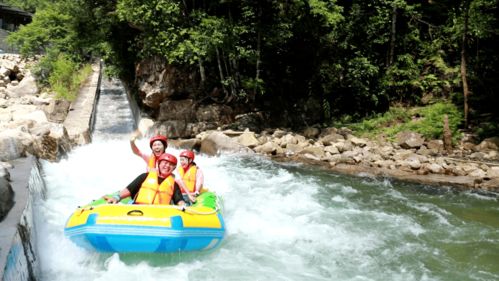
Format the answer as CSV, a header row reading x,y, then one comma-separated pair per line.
x,y
134,147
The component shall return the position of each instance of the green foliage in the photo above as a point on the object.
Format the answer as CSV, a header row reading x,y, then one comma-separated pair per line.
x,y
44,67
327,10
66,77
427,121
49,29
401,80
355,57
360,73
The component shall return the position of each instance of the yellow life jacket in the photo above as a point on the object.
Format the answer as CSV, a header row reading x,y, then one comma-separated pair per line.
x,y
189,177
153,193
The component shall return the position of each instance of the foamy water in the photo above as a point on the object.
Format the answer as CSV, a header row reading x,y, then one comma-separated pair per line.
x,y
284,222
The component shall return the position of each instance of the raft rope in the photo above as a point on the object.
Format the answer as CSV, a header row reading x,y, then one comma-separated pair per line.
x,y
193,211
189,210
180,208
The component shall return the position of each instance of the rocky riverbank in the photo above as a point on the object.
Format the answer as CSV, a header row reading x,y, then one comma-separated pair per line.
x,y
411,158
31,121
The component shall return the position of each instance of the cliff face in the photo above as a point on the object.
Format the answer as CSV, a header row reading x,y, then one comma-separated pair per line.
x,y
183,107
171,96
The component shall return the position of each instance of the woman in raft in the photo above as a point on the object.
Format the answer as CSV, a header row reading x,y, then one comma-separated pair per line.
x,y
191,177
158,145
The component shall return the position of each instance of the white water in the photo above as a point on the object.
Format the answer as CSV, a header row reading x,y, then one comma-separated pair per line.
x,y
284,222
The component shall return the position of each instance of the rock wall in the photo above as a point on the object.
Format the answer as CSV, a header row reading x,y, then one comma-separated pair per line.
x,y
6,193
18,258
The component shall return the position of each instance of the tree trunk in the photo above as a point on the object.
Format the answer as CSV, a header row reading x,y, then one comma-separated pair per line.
x,y
447,136
220,71
258,62
258,53
201,71
235,70
230,75
464,38
393,36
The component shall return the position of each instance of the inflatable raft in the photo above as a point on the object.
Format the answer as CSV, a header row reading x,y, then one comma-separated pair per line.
x,y
147,228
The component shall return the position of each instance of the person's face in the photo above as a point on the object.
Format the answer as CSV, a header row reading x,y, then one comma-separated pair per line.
x,y
157,148
166,168
184,161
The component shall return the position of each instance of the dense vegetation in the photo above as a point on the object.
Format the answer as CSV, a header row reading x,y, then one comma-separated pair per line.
x,y
321,59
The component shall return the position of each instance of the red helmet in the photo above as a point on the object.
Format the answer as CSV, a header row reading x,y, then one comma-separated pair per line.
x,y
167,157
187,153
161,138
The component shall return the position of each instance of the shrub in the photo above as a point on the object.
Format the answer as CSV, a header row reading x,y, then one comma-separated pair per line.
x,y
427,121
66,77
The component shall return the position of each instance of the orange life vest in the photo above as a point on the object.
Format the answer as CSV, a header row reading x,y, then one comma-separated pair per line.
x,y
153,193
151,165
189,177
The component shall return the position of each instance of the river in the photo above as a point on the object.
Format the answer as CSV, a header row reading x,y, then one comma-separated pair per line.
x,y
284,221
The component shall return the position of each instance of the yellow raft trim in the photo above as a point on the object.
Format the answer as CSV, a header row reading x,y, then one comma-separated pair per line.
x,y
145,215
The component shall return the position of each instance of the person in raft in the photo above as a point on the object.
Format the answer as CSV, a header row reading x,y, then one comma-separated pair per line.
x,y
158,145
191,177
154,187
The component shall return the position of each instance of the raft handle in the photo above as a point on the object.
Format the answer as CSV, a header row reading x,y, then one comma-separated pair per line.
x,y
135,213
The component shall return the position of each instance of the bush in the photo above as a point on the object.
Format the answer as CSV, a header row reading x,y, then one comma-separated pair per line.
x,y
427,121
66,77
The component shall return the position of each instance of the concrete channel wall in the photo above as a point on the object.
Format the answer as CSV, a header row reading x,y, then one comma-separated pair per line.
x,y
18,256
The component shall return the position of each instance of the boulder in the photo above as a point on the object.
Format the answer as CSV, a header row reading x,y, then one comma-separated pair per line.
x,y
409,140
357,141
216,142
435,146
279,133
493,172
158,80
490,185
14,143
288,139
53,141
177,110
253,121
331,138
311,132
6,193
248,139
269,148
145,126
6,198
57,110
291,149
317,152
489,144
27,86
191,144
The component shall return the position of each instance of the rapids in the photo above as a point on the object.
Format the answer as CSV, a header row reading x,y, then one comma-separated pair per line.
x,y
284,221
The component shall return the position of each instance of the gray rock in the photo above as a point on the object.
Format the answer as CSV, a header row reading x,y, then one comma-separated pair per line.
x,y
331,138
248,139
489,144
6,193
217,142
409,140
